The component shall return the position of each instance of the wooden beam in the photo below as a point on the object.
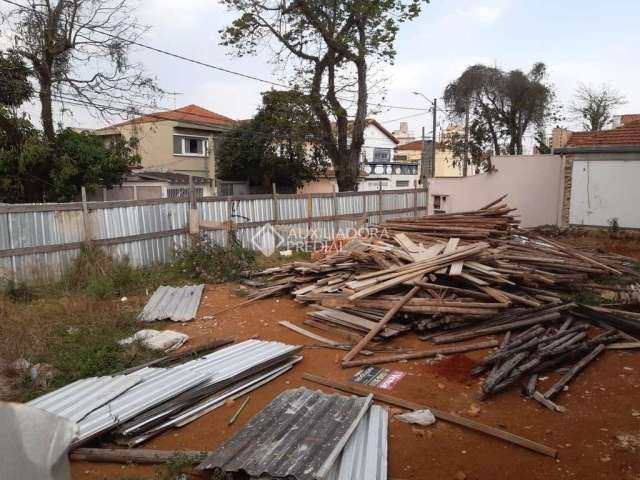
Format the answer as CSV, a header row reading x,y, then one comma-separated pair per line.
x,y
126,455
380,325
439,414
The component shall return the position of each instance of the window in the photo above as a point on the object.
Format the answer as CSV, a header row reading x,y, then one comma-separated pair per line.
x,y
190,145
183,192
439,204
402,183
382,154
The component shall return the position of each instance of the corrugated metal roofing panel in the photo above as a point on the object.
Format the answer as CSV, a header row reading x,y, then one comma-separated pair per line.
x,y
365,455
157,389
78,399
177,304
300,434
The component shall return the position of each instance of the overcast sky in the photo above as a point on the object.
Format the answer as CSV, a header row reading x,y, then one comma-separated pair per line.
x,y
579,40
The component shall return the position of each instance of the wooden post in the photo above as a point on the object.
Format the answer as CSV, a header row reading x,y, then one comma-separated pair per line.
x,y
194,216
380,202
415,198
135,192
230,224
335,212
104,194
276,213
309,216
86,220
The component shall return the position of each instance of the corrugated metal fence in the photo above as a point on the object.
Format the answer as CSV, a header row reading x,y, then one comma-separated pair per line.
x,y
41,240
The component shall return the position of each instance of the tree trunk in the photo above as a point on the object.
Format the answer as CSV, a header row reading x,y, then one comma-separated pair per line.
x,y
347,167
46,112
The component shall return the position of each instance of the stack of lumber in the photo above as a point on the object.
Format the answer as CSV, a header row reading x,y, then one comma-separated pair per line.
x,y
456,277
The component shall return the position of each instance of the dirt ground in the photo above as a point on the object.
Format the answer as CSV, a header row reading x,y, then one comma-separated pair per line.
x,y
598,438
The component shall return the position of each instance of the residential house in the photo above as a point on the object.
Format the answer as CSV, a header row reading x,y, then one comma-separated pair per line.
x,y
379,170
179,141
601,175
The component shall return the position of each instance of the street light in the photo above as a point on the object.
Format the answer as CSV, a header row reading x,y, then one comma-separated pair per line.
x,y
431,170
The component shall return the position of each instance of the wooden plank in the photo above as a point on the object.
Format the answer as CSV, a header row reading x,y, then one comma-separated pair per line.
x,y
15,252
424,354
307,333
380,325
439,414
451,247
140,456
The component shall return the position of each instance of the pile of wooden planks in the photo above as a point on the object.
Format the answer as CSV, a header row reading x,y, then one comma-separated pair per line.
x,y
456,277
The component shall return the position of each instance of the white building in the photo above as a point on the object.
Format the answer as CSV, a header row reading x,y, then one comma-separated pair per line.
x,y
381,171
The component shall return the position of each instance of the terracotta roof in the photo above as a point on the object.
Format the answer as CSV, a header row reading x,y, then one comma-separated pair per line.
x,y
628,118
190,114
416,145
628,134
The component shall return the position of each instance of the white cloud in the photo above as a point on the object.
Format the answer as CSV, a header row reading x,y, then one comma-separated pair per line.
x,y
482,14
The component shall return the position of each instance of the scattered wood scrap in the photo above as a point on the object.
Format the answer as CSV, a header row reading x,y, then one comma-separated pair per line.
x,y
458,277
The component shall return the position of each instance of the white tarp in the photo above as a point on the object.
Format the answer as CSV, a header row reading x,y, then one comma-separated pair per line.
x,y
34,444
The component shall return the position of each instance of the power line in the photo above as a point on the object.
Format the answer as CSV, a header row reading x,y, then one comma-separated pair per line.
x,y
205,64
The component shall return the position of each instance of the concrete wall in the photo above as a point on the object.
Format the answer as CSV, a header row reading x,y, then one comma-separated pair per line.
x,y
533,184
603,189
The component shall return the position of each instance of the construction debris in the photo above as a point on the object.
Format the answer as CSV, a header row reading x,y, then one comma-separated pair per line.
x,y
161,398
140,456
301,435
458,277
439,414
169,303
417,417
166,340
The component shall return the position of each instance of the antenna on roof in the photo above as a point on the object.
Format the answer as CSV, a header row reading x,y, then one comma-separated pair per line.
x,y
174,95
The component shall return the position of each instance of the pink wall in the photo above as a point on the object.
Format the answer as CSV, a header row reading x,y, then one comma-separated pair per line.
x,y
533,184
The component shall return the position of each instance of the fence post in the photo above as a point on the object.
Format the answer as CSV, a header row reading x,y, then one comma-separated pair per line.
x,y
380,202
309,215
86,221
335,212
194,216
415,198
276,213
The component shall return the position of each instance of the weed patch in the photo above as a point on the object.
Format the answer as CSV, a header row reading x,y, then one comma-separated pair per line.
x,y
212,263
74,333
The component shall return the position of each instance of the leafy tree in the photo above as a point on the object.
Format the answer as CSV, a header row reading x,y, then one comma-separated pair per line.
x,y
15,89
330,44
505,104
479,146
279,145
594,107
78,51
81,159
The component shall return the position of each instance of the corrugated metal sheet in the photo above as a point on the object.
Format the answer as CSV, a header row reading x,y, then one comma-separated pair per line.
x,y
64,226
299,435
365,455
156,386
205,406
177,304
78,399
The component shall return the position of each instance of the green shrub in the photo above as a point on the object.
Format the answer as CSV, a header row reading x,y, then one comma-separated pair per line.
x,y
208,262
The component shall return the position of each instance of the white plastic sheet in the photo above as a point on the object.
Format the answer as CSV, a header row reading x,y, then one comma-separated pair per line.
x,y
34,444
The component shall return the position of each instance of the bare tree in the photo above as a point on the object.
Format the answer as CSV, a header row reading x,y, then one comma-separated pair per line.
x,y
78,51
595,106
332,43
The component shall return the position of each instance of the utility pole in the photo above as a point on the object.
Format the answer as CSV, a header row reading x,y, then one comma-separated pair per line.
x,y
424,163
432,170
465,160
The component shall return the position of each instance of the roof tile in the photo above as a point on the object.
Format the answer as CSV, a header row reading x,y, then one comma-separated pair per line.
x,y
628,134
